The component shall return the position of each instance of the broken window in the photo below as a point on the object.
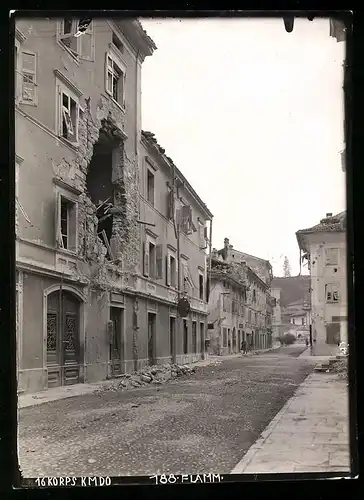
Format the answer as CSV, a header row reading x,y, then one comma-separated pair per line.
x,y
150,187
28,78
66,223
78,43
331,256
332,293
115,79
69,118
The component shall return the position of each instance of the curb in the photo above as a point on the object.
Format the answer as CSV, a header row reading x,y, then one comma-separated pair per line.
x,y
259,443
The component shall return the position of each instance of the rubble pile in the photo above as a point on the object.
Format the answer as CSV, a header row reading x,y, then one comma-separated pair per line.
x,y
154,375
340,367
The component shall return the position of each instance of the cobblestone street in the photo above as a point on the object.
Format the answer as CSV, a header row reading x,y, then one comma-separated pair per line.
x,y
204,423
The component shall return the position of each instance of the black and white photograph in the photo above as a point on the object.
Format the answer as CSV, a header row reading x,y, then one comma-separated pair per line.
x,y
181,246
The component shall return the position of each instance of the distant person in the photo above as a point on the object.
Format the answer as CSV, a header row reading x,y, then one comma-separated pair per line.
x,y
306,342
243,347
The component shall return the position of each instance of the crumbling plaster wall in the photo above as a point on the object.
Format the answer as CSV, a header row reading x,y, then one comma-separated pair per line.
x,y
126,184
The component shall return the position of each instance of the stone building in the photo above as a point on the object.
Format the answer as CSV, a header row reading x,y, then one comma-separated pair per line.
x,y
240,307
324,247
78,232
173,263
277,313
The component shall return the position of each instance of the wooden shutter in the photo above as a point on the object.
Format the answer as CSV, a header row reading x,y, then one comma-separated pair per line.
x,y
168,270
87,44
205,235
57,221
159,261
170,199
146,259
29,65
201,235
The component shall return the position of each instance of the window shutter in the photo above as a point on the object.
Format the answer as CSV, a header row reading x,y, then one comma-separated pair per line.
x,y
205,234
146,259
202,235
124,89
28,77
57,225
168,268
87,44
159,261
108,90
170,204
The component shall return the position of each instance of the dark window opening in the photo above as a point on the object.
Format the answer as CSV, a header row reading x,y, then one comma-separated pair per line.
x,y
65,208
117,42
201,286
67,26
152,261
67,224
150,187
173,270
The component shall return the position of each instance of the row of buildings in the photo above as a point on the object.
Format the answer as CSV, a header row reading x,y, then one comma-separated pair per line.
x,y
109,233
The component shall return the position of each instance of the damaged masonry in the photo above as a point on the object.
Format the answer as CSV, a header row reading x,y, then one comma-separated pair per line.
x,y
110,234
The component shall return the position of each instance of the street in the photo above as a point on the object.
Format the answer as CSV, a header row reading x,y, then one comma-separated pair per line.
x,y
200,424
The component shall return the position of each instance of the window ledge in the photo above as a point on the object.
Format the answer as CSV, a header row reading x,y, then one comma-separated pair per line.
x,y
114,101
66,142
75,57
65,251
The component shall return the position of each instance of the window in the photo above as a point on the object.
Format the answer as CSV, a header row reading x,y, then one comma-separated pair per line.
x,y
332,293
249,316
28,78
293,321
69,118
303,321
150,187
78,46
254,296
226,303
152,260
115,79
201,286
255,318
117,42
194,337
66,223
331,256
173,270
201,234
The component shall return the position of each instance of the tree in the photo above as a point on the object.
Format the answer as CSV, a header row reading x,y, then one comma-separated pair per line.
x,y
286,268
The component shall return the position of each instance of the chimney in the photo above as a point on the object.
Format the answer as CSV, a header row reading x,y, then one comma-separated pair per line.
x,y
329,214
226,242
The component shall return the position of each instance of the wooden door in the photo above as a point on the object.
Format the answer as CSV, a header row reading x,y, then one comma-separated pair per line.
x,y
151,338
63,356
172,329
116,344
333,333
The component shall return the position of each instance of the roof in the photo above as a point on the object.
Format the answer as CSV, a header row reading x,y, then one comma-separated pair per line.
x,y
336,223
151,140
294,289
332,224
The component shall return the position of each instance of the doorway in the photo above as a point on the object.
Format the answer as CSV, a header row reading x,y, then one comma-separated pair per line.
x,y
151,338
117,341
63,340
333,333
172,332
234,339
185,337
202,338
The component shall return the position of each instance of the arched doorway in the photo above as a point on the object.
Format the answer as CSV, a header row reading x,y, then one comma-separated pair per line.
x,y
63,338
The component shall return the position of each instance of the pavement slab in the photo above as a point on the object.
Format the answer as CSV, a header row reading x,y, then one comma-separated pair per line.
x,y
310,433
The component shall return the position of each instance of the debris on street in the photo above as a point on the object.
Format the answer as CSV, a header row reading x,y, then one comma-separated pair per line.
x,y
155,375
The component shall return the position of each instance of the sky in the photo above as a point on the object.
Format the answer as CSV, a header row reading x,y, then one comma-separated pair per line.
x,y
253,118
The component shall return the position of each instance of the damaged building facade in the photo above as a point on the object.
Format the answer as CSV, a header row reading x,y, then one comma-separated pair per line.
x,y
240,306
173,256
324,248
78,239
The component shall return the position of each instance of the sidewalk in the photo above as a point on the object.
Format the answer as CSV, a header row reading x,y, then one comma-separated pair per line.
x,y
309,434
56,393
